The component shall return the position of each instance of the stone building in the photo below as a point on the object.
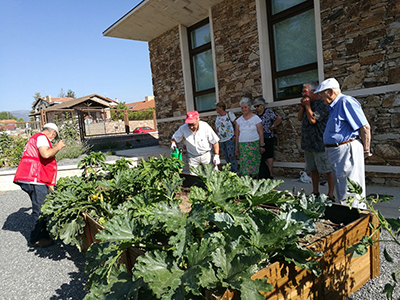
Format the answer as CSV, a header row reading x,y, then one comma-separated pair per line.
x,y
206,51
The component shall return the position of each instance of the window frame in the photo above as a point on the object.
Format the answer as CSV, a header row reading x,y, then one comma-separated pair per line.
x,y
195,51
271,21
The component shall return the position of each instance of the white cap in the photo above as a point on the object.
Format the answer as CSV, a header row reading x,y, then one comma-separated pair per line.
x,y
52,126
330,83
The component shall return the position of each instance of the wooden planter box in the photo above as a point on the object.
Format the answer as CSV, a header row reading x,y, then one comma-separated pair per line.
x,y
341,275
92,227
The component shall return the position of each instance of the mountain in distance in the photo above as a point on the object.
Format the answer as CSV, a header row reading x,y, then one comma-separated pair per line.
x,y
24,114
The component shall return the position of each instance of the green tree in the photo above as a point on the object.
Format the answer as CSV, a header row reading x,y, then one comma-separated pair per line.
x,y
36,97
6,115
70,94
118,115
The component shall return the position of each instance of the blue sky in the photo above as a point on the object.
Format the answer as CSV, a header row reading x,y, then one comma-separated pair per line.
x,y
48,45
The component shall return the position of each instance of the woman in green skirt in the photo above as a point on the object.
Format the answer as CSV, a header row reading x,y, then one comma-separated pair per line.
x,y
249,140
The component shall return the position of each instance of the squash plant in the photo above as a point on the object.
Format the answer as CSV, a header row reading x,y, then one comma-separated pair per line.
x,y
100,190
220,243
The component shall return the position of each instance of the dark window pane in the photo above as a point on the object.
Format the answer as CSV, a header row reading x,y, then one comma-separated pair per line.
x,y
203,71
295,43
281,5
200,36
291,85
205,102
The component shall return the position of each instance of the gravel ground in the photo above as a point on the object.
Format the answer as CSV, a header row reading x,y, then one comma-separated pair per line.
x,y
57,272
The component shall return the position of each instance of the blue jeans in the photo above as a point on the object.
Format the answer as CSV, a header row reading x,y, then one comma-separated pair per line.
x,y
228,149
37,193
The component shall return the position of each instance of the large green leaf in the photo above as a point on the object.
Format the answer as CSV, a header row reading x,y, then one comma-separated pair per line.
x,y
70,231
250,288
122,228
302,258
160,272
173,221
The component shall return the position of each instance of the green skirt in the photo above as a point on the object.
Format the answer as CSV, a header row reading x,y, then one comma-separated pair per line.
x,y
250,158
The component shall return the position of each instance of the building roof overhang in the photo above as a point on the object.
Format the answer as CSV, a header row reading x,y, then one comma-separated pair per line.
x,y
151,18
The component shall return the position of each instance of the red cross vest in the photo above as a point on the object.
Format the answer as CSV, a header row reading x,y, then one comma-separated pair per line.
x,y
33,167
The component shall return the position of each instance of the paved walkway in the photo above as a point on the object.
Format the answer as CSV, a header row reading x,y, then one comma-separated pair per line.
x,y
389,210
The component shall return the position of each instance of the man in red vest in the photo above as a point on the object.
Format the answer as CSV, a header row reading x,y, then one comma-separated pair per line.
x,y
36,174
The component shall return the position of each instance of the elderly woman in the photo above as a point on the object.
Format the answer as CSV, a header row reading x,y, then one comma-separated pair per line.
x,y
225,126
269,121
249,140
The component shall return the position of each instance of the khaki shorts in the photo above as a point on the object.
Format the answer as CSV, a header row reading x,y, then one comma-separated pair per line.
x,y
317,161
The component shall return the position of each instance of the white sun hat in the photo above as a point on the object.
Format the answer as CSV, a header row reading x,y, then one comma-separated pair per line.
x,y
52,126
330,83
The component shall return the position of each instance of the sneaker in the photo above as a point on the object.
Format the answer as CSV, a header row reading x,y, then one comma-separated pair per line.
x,y
42,243
332,198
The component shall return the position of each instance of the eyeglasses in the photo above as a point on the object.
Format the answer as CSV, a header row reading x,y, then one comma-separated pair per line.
x,y
191,124
257,106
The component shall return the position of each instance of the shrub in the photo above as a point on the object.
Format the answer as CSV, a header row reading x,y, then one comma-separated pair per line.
x,y
73,149
11,149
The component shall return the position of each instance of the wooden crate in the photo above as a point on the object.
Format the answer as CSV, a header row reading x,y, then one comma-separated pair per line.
x,y
92,227
341,275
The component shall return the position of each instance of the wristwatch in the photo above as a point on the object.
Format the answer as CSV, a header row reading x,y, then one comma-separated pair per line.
x,y
262,144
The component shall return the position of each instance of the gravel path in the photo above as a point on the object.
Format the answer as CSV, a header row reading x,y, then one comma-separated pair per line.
x,y
57,272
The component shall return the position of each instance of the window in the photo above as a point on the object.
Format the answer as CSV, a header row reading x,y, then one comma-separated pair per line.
x,y
202,67
293,49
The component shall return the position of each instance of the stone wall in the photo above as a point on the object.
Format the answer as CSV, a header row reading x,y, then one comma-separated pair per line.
x,y
166,68
236,49
361,42
168,87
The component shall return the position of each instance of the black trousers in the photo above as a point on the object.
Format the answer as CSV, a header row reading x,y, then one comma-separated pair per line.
x,y
263,173
269,153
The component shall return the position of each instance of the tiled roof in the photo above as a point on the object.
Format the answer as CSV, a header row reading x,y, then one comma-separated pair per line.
x,y
103,101
142,105
61,99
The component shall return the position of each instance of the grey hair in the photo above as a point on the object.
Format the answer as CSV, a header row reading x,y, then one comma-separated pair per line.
x,y
312,85
246,101
260,100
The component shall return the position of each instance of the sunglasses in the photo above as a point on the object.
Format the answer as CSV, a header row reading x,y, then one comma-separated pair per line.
x,y
257,106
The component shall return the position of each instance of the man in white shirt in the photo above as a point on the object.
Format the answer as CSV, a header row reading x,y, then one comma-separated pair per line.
x,y
200,138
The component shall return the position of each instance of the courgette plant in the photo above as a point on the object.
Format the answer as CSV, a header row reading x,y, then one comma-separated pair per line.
x,y
220,243
100,190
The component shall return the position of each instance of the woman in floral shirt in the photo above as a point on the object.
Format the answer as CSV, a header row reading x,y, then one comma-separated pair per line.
x,y
225,125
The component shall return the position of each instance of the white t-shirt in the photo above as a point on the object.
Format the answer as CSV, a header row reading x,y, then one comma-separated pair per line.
x,y
42,141
248,129
225,127
197,143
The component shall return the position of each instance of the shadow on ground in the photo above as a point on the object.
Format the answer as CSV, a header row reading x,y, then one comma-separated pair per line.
x,y
21,221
